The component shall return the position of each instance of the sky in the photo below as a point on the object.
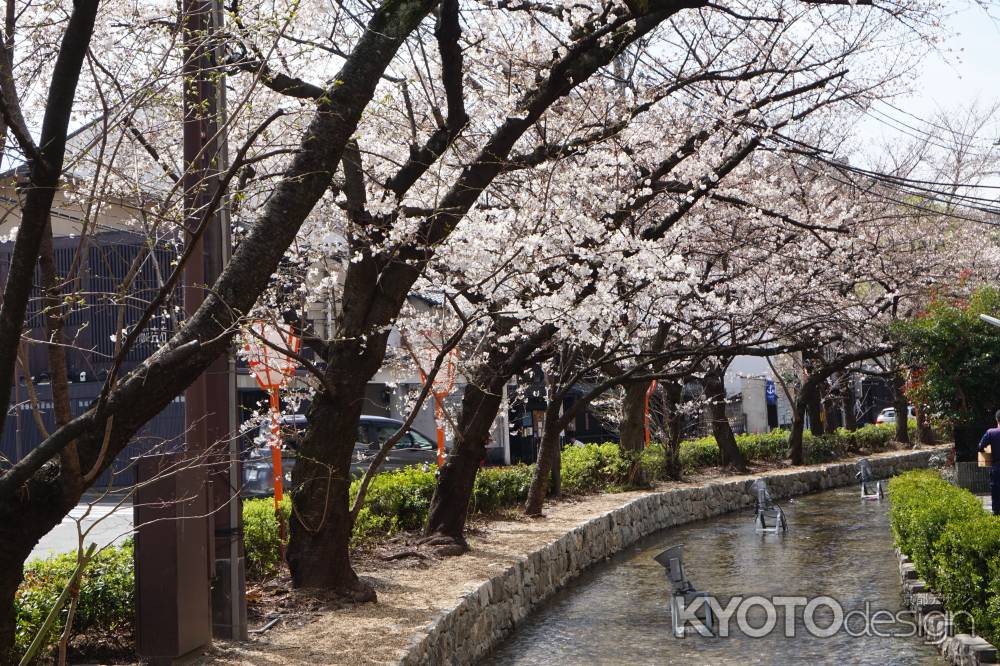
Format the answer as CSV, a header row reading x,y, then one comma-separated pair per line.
x,y
964,69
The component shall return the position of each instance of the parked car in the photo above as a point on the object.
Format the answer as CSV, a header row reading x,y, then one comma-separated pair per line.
x,y
413,448
888,415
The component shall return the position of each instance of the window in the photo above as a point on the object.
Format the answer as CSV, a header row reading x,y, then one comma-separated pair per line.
x,y
384,431
377,433
420,442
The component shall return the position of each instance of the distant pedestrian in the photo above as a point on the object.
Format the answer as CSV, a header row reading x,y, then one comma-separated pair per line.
x,y
991,439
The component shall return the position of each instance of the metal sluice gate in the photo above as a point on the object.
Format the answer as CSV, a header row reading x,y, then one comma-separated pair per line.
x,y
768,516
684,592
871,489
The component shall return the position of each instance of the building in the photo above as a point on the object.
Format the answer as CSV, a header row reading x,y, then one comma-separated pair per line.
x,y
98,258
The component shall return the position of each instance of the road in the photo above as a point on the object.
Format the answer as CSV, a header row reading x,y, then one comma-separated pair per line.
x,y
107,524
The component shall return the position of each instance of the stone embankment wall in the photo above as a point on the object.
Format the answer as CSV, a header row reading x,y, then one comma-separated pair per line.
x,y
958,649
487,615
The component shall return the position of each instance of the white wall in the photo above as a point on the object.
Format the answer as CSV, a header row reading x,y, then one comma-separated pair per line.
x,y
755,404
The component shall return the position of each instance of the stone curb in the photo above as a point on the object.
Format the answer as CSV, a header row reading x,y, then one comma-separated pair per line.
x,y
958,649
491,612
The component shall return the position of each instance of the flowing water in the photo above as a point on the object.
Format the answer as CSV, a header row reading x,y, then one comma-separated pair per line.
x,y
836,546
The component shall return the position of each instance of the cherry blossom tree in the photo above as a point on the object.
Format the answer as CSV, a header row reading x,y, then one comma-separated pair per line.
x,y
367,142
38,490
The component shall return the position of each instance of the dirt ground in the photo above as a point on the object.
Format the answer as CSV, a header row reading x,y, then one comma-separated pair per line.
x,y
412,589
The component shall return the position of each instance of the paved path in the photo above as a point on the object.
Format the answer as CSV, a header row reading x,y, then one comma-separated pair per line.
x,y
106,522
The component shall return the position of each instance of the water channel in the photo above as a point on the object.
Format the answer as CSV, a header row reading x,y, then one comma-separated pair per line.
x,y
837,545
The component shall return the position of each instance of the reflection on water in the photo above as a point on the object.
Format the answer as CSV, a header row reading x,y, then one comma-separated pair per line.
x,y
618,612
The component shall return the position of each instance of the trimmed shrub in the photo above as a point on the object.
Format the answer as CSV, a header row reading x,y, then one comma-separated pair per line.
x,y
966,564
955,545
260,536
500,488
922,505
594,467
701,452
107,596
396,501
399,500
770,446
773,446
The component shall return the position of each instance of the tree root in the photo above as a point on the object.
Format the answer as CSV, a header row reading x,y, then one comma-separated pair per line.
x,y
358,592
400,554
445,546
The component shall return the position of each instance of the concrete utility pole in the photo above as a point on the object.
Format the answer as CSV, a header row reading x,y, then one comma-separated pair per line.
x,y
210,403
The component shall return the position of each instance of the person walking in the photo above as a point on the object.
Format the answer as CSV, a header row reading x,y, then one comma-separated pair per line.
x,y
991,439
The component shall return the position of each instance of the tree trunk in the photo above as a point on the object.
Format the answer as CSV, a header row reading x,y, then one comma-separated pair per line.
x,y
319,545
795,449
808,396
632,432
901,405
480,404
847,400
556,474
715,391
321,525
453,493
23,523
925,434
815,410
672,428
548,455
69,466
10,579
829,422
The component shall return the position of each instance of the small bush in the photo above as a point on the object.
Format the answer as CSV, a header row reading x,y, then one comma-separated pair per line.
x,y
396,501
594,467
965,571
770,446
107,596
773,446
954,544
500,488
260,536
696,453
923,504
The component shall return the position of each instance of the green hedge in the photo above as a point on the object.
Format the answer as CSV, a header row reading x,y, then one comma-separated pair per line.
x,y
773,446
107,596
260,536
400,500
954,544
397,501
499,488
593,468
922,505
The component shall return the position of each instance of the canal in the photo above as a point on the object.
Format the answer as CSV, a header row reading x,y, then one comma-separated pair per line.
x,y
837,546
